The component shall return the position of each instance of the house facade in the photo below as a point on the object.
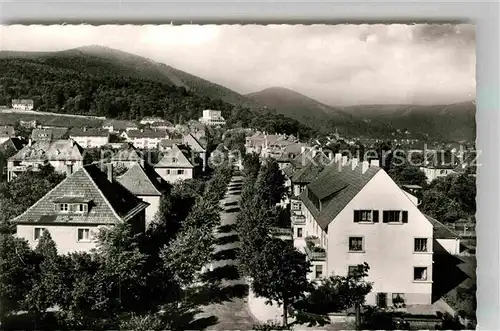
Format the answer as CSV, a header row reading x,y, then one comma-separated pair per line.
x,y
60,154
212,117
178,163
89,138
145,184
127,156
77,208
49,134
353,213
144,139
6,132
150,120
195,145
22,104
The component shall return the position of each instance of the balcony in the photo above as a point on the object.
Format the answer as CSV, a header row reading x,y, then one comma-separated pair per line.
x,y
298,219
315,253
24,168
313,250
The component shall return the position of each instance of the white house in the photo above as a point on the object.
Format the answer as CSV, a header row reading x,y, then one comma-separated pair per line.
x,y
144,139
89,138
354,213
150,120
5,133
77,208
178,163
22,104
60,154
147,185
212,117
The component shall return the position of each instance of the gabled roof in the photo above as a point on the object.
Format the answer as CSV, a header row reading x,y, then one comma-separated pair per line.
x,y
109,202
64,149
127,153
162,123
193,143
177,157
15,143
441,231
6,131
335,186
48,134
146,134
140,182
79,132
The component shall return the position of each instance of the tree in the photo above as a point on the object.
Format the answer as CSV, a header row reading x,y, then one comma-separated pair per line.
x,y
16,273
270,184
408,175
440,206
251,165
282,276
188,253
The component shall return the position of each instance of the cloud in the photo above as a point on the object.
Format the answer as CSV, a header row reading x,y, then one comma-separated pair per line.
x,y
337,64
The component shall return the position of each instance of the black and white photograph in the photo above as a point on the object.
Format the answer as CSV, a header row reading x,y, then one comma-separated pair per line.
x,y
238,177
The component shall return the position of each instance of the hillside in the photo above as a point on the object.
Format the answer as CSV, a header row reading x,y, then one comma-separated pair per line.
x,y
99,81
107,61
447,122
314,113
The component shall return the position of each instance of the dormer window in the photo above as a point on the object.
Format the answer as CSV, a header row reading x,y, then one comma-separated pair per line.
x,y
77,205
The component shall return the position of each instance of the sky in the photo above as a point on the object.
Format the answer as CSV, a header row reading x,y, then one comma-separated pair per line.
x,y
339,65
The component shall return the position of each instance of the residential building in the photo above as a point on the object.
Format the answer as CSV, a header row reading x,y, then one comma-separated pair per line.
x,y
22,104
144,139
89,138
178,163
145,184
127,156
212,117
162,125
30,124
439,164
196,146
151,120
167,144
114,126
77,208
49,134
268,145
5,133
353,213
60,154
13,144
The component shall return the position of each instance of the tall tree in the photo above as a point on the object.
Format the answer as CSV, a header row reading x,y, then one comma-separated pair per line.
x,y
282,276
270,184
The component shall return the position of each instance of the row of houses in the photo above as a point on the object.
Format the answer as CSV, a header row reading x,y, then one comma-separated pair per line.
x,y
348,212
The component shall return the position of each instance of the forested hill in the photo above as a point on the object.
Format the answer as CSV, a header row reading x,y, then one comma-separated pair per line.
x,y
120,85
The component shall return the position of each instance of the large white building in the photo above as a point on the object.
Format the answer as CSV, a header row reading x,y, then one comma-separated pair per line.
x,y
212,117
22,104
349,213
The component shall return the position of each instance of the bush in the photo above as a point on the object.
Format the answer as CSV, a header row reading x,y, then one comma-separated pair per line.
x,y
269,326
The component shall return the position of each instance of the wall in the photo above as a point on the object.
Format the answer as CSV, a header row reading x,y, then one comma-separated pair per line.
x,y
65,237
173,177
388,248
154,205
3,139
452,246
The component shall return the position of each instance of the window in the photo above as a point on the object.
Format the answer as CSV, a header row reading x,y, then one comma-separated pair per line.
x,y
63,207
398,299
299,232
180,172
83,234
355,244
395,216
366,216
296,206
38,233
382,300
168,172
420,273
318,271
420,245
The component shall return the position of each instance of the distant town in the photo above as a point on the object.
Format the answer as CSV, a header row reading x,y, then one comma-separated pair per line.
x,y
164,224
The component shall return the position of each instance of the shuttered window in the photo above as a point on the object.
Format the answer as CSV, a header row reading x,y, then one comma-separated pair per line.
x,y
395,216
365,216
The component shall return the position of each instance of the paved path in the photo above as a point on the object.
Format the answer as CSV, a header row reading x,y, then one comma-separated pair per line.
x,y
232,313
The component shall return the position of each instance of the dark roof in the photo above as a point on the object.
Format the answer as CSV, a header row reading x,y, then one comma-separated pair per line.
x,y
193,143
109,202
127,153
336,186
15,143
79,132
162,123
48,134
170,142
146,134
441,231
140,182
64,149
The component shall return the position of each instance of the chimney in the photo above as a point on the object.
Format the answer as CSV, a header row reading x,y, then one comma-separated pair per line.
x,y
338,157
344,160
364,166
110,172
30,142
69,169
374,163
354,163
